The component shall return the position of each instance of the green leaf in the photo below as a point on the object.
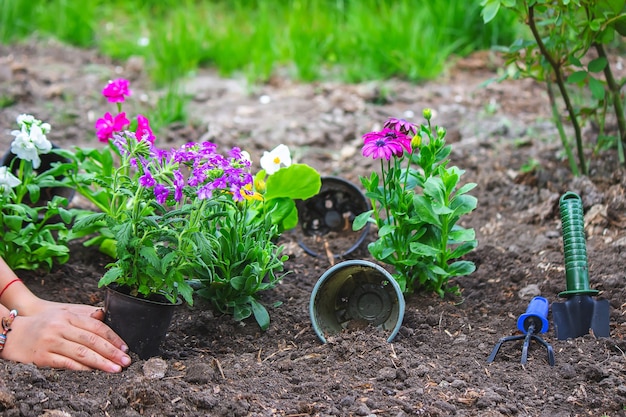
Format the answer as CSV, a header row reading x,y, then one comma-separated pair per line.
x,y
434,188
297,181
241,312
291,220
186,291
424,210
463,204
461,268
252,281
278,208
86,221
598,64
597,88
463,249
571,59
34,192
361,220
461,235
577,77
490,9
386,230
50,250
261,315
238,283
13,222
108,247
466,188
110,276
595,24
424,250
66,215
124,234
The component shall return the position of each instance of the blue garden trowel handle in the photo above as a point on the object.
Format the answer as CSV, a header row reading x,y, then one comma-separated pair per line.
x,y
537,314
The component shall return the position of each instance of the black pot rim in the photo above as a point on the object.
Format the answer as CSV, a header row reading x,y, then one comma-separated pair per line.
x,y
125,292
331,179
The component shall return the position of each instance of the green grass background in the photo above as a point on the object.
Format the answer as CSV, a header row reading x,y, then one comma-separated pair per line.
x,y
347,40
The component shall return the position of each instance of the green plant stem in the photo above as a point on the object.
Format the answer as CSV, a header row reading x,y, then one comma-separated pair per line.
x,y
559,125
614,91
22,190
556,67
136,214
382,173
406,173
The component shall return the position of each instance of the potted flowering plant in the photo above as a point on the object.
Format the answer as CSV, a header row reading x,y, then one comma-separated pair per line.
x,y
242,256
417,201
185,217
152,203
33,229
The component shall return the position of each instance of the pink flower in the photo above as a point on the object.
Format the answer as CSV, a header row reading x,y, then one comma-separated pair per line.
x,y
107,125
117,90
144,132
401,125
385,144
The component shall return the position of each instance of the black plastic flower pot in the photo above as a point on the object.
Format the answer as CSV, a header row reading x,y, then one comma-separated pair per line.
x,y
142,323
47,160
356,293
325,220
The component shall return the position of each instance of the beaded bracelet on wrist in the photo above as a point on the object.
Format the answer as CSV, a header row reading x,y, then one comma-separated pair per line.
x,y
6,328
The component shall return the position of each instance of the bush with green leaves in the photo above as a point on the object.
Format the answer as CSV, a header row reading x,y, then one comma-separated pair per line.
x,y
569,49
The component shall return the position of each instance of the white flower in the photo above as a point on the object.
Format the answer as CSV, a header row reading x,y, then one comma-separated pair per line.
x,y
7,181
272,161
38,137
25,119
29,143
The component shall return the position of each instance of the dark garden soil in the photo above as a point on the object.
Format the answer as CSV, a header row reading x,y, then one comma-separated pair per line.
x,y
437,364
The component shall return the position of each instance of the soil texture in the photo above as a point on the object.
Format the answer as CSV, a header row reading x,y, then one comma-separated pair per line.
x,y
437,364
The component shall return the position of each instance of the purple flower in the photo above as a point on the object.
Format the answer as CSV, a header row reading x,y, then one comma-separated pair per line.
x,y
239,157
401,125
160,155
197,176
179,183
144,132
147,180
205,192
117,90
161,193
107,125
385,144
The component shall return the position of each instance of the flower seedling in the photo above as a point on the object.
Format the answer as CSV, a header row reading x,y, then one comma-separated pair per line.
x,y
190,216
34,233
244,257
153,202
417,201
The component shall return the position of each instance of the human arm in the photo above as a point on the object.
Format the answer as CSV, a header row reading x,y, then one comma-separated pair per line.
x,y
57,335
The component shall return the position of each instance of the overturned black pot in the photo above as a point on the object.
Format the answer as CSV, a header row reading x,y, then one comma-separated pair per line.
x,y
142,323
47,162
325,220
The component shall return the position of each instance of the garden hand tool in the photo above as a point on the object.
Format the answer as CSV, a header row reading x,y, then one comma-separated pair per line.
x,y
531,323
579,313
